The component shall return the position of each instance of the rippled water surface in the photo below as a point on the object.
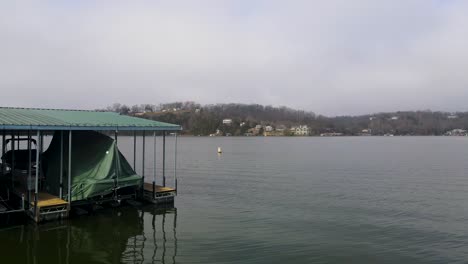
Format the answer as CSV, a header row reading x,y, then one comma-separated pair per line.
x,y
277,200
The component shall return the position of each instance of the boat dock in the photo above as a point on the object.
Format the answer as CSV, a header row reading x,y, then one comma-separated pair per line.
x,y
81,164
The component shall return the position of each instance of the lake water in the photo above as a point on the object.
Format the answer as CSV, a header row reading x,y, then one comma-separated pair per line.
x,y
278,200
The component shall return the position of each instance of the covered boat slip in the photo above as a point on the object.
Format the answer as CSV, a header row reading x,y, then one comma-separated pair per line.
x,y
81,164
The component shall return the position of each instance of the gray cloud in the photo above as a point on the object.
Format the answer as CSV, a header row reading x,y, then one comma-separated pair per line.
x,y
331,57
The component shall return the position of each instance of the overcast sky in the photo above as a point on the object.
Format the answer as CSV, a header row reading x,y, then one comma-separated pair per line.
x,y
331,57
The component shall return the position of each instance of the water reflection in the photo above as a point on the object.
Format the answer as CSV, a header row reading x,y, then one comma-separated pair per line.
x,y
113,235
158,241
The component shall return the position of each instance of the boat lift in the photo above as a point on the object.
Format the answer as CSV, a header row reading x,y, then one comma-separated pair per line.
x,y
15,166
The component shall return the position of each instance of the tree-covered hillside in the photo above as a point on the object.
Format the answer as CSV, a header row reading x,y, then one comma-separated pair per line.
x,y
199,119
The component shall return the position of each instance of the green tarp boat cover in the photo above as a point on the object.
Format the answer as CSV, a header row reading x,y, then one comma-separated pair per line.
x,y
97,166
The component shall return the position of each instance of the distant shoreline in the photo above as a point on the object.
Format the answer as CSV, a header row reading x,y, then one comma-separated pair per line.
x,y
256,120
316,136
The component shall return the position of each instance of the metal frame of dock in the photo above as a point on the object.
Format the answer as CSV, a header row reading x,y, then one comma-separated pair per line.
x,y
19,123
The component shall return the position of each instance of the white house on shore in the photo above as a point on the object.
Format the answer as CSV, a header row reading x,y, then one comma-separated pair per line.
x,y
301,130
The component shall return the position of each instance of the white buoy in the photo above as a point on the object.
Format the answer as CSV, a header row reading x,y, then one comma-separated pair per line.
x,y
219,150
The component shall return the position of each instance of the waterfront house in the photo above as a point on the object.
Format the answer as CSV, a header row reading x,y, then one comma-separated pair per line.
x,y
366,132
227,121
302,130
457,132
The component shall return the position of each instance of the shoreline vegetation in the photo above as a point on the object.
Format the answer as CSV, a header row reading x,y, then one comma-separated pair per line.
x,y
258,120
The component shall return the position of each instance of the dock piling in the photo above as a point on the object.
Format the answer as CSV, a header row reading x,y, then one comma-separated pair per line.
x,y
175,162
61,166
69,168
164,159
36,185
29,166
134,150
154,163
12,172
143,163
116,164
3,151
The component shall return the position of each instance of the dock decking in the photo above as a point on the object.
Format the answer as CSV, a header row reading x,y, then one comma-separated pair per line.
x,y
162,194
46,200
48,206
158,188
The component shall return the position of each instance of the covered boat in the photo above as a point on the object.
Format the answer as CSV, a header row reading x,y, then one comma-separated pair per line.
x,y
99,168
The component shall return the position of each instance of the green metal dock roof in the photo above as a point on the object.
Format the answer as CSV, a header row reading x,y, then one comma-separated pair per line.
x,y
59,119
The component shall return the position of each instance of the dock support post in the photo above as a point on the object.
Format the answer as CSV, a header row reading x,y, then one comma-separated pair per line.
x,y
69,168
164,159
116,165
12,172
28,185
143,165
175,162
174,232
42,142
36,186
61,165
134,150
154,164
3,151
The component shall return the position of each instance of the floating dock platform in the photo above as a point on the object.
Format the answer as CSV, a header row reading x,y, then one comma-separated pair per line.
x,y
160,195
49,207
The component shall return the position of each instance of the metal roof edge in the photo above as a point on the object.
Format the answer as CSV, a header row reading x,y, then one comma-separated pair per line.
x,y
54,109
96,128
